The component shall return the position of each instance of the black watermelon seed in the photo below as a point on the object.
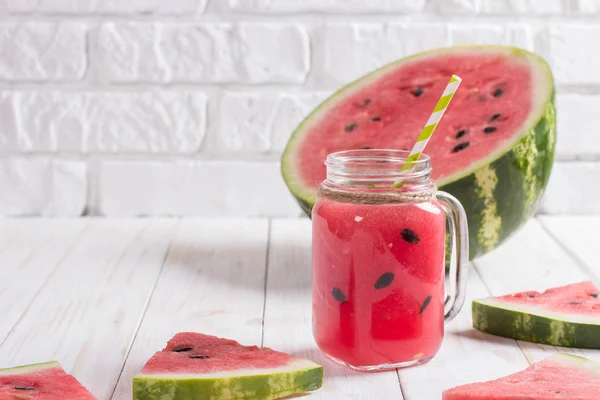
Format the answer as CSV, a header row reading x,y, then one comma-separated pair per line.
x,y
351,127
494,117
181,349
410,236
531,296
366,148
24,388
417,92
489,129
594,295
376,119
425,304
200,356
461,133
498,92
384,280
575,303
460,146
366,102
338,295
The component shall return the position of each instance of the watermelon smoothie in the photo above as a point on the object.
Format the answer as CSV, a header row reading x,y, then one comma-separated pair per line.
x,y
379,262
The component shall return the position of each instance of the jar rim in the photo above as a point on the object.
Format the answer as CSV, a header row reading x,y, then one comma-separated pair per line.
x,y
371,163
390,155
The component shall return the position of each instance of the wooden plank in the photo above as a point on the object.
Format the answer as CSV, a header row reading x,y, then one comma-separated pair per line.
x,y
212,282
466,356
580,235
85,316
288,317
30,250
532,260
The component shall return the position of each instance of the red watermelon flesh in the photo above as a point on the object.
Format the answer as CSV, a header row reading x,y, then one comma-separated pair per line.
x,y
47,381
561,376
493,149
199,366
213,354
491,105
581,298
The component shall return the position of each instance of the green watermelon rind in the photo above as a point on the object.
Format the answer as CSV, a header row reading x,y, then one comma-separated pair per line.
x,y
500,192
30,368
297,377
501,196
536,325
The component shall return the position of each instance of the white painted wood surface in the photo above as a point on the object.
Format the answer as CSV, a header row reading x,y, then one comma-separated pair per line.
x,y
102,295
212,282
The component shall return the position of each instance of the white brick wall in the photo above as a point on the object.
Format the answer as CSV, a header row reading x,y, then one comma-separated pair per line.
x,y
103,122
261,122
203,188
351,50
201,53
42,51
101,7
182,107
42,186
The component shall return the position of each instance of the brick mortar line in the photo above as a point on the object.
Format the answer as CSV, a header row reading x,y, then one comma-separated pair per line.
x,y
134,87
592,88
136,157
273,158
309,18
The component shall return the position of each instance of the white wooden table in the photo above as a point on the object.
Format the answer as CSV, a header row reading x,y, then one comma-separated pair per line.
x,y
101,295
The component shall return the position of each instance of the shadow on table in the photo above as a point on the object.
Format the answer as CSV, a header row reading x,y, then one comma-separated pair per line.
x,y
332,369
242,266
482,337
471,334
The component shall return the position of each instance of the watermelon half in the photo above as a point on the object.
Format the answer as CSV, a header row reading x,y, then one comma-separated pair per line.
x,y
561,376
46,381
198,366
493,149
566,316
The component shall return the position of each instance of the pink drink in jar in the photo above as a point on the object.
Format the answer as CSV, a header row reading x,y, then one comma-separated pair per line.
x,y
379,261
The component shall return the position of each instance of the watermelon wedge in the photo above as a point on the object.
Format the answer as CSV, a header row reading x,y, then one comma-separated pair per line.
x,y
198,366
493,149
561,376
566,316
47,381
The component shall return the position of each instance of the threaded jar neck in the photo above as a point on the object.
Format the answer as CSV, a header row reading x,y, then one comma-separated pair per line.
x,y
376,170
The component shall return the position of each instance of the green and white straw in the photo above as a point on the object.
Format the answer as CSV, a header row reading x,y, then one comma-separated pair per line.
x,y
430,126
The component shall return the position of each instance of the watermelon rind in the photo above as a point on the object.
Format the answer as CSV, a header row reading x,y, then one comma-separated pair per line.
x,y
49,381
29,368
499,192
298,376
535,324
577,362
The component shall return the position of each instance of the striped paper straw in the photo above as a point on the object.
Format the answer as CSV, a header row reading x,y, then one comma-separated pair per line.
x,y
430,126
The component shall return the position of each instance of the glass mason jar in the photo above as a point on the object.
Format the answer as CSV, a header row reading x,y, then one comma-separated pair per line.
x,y
378,250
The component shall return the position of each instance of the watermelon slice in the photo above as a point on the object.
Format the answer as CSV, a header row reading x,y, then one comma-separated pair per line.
x,y
47,381
561,376
564,316
493,149
198,366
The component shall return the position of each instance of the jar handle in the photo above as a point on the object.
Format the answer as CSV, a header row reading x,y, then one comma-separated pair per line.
x,y
459,254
